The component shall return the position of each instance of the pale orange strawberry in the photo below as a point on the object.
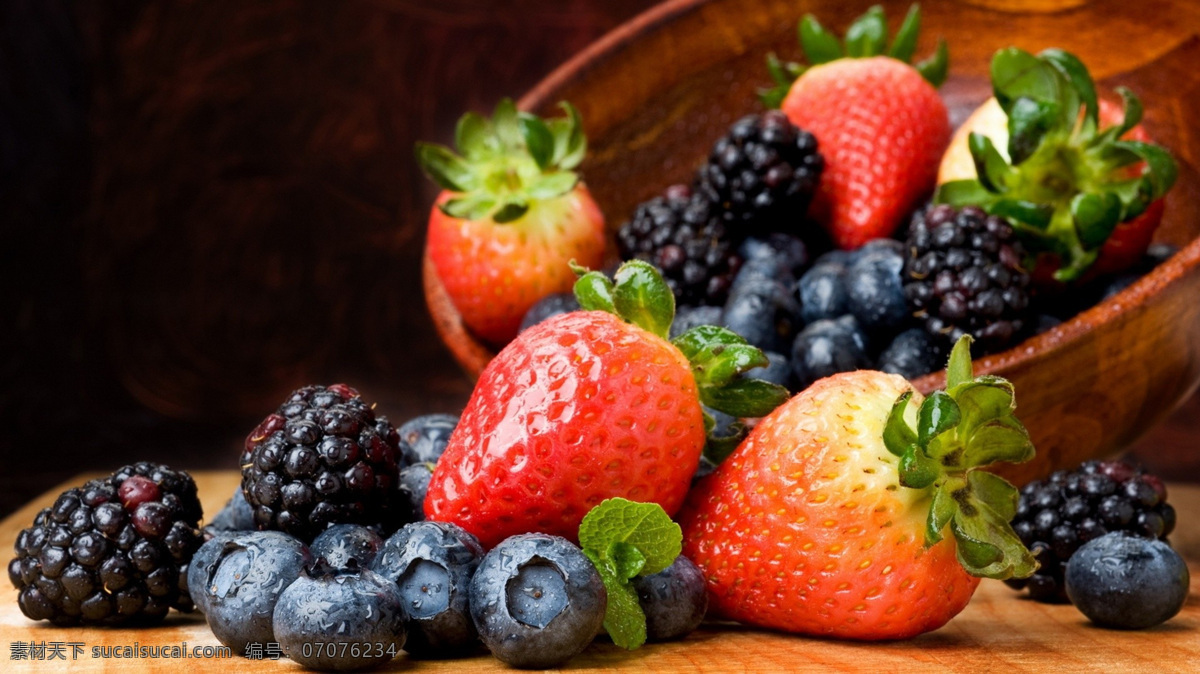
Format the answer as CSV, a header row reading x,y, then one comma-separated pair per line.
x,y
816,524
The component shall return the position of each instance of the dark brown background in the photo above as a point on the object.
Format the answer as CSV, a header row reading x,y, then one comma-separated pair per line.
x,y
207,204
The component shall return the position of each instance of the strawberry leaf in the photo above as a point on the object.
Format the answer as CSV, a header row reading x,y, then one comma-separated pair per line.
x,y
1028,123
472,136
867,36
905,44
643,298
936,67
444,167
991,167
941,511
1095,216
745,398
512,210
1077,74
898,436
473,206
819,45
938,414
959,370
538,139
783,75
718,447
594,291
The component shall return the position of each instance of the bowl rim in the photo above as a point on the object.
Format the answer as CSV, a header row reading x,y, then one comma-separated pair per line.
x,y
472,353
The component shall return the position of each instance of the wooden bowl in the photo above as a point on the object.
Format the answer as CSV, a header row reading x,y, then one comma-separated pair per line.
x,y
657,91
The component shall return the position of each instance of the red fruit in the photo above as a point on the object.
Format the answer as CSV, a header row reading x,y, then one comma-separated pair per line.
x,y
583,407
816,524
137,490
882,129
513,216
495,272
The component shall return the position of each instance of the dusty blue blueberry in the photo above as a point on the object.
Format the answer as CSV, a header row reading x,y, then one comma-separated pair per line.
x,y
413,485
822,291
674,600
913,353
341,543
200,567
777,371
762,307
237,515
687,318
431,564
827,347
1127,582
537,601
242,581
333,619
874,291
788,251
550,305
424,438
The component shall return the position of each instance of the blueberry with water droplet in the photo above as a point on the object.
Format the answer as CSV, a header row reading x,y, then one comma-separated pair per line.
x,y
431,564
1126,581
341,543
424,438
674,600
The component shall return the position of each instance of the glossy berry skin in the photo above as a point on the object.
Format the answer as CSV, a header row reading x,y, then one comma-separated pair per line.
x,y
827,347
874,292
537,601
805,529
822,291
687,318
777,371
343,544
339,619
787,251
424,438
431,564
413,487
242,582
494,273
577,409
762,306
1127,582
674,600
550,305
882,130
237,515
913,353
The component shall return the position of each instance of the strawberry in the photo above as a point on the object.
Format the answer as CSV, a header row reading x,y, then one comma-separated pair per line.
x,y
592,405
1078,181
512,215
879,122
837,517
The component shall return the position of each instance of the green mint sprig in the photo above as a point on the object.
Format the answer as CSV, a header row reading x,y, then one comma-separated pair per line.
x,y
625,539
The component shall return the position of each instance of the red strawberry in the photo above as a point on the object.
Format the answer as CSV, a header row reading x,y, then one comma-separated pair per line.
x,y
879,123
829,518
587,406
512,216
1077,179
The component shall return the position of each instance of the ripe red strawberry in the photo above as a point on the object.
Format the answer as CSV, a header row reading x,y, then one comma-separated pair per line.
x,y
879,123
1079,181
512,216
592,405
829,518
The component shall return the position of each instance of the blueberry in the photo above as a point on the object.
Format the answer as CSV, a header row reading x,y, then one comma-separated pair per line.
x,y
687,318
822,291
550,305
788,251
424,438
674,600
1045,322
1119,283
913,353
874,291
341,543
333,619
778,370
827,347
703,469
200,568
237,515
1127,582
886,245
241,584
431,564
537,601
413,484
762,307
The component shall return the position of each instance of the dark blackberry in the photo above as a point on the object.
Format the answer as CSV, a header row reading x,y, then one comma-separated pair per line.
x,y
1057,515
681,233
963,274
113,551
762,174
323,458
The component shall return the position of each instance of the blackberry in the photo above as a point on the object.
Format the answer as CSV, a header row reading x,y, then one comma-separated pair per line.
x,y
681,233
1057,515
323,458
762,174
115,550
963,274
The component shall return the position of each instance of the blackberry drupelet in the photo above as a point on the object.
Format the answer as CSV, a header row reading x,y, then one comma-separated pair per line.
x,y
681,233
1057,515
113,551
323,458
963,275
762,174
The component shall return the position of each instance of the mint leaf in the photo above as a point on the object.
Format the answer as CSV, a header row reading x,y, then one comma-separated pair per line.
x,y
625,539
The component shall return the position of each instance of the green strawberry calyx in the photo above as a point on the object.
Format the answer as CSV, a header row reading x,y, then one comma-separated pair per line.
x,y
719,357
956,432
1063,182
625,539
507,163
866,37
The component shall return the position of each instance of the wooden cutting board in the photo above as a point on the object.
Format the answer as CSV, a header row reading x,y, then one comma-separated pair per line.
x,y
998,631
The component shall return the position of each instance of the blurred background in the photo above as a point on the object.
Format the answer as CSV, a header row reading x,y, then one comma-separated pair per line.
x,y
205,205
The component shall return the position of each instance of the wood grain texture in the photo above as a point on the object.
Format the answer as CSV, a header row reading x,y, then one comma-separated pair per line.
x,y
1087,388
998,631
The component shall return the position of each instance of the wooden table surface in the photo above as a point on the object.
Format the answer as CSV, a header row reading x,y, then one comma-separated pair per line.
x,y
998,631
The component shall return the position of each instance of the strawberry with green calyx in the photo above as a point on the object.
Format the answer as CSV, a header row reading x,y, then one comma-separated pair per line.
x,y
592,405
879,122
624,540
512,214
1067,185
857,509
